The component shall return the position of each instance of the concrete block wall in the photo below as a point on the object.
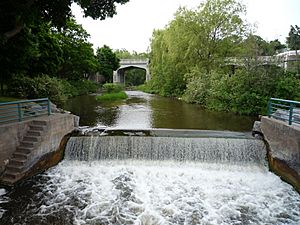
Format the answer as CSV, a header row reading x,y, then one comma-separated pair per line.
x,y
10,137
284,149
58,125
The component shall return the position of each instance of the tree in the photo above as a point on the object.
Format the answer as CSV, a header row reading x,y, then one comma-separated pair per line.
x,y
15,15
108,62
125,54
196,39
276,46
79,60
293,41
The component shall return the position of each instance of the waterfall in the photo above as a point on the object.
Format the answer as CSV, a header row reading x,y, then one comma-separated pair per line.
x,y
203,149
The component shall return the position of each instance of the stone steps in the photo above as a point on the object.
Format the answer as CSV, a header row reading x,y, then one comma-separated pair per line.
x,y
17,165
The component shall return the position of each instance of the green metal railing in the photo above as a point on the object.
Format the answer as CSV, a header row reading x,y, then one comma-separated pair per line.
x,y
22,110
285,110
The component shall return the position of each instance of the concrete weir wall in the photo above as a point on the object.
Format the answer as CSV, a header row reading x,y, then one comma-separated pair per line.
x,y
56,126
284,149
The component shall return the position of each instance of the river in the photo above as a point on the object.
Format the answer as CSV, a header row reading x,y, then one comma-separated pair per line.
x,y
143,110
89,189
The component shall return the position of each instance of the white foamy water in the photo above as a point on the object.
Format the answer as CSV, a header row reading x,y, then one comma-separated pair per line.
x,y
3,199
164,193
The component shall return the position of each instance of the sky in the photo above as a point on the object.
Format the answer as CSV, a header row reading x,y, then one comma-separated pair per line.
x,y
135,21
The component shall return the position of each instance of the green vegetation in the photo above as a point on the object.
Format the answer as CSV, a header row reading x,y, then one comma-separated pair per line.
x,y
44,52
108,62
112,88
112,96
145,88
8,99
58,90
112,92
194,65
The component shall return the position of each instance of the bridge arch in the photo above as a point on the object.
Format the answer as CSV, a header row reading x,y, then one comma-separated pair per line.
x,y
125,64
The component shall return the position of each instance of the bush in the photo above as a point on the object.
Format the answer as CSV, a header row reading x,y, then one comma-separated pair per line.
x,y
83,87
198,88
112,88
38,87
246,92
57,90
146,88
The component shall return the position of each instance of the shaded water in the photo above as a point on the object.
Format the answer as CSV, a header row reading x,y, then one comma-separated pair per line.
x,y
143,110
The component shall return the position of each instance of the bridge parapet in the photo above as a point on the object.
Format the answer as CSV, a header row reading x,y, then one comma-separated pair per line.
x,y
119,75
134,61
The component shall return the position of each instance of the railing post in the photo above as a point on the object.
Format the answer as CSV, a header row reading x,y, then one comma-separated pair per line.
x,y
269,108
19,112
49,107
291,114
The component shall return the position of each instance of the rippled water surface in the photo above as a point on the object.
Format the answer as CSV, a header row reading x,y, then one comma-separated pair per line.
x,y
143,110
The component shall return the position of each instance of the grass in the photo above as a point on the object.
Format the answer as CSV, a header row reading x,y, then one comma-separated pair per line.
x,y
8,99
112,96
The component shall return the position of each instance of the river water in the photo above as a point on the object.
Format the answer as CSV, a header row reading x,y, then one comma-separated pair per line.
x,y
143,110
191,186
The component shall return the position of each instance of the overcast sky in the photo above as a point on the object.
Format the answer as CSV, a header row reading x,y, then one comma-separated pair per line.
x,y
132,27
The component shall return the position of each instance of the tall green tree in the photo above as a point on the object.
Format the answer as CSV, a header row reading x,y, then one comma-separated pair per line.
x,y
79,60
199,39
293,41
108,62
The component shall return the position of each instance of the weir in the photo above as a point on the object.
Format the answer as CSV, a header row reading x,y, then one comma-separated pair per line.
x,y
224,147
160,177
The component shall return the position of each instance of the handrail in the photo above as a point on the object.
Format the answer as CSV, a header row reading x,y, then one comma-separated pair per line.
x,y
25,109
286,110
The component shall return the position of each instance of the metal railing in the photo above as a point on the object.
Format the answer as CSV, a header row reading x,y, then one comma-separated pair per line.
x,y
22,110
285,110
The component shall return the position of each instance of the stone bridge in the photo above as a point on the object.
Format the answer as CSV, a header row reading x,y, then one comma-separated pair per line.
x,y
125,64
280,60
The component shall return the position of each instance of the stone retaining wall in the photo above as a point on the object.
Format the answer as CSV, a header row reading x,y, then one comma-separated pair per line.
x,y
284,149
58,125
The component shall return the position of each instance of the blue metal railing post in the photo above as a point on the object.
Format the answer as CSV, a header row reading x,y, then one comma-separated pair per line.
x,y
19,112
291,114
49,107
286,110
269,108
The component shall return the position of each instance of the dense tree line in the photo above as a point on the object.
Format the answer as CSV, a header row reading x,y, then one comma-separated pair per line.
x,y
42,47
189,59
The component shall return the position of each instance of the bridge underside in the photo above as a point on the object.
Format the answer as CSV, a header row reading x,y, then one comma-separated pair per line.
x,y
119,75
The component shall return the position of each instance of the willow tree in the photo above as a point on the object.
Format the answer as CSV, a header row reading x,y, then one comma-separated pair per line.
x,y
199,39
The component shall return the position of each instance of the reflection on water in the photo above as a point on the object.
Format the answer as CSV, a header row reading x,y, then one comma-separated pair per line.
x,y
142,110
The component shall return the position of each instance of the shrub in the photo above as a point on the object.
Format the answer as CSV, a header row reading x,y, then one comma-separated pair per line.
x,y
84,87
112,88
198,88
38,87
